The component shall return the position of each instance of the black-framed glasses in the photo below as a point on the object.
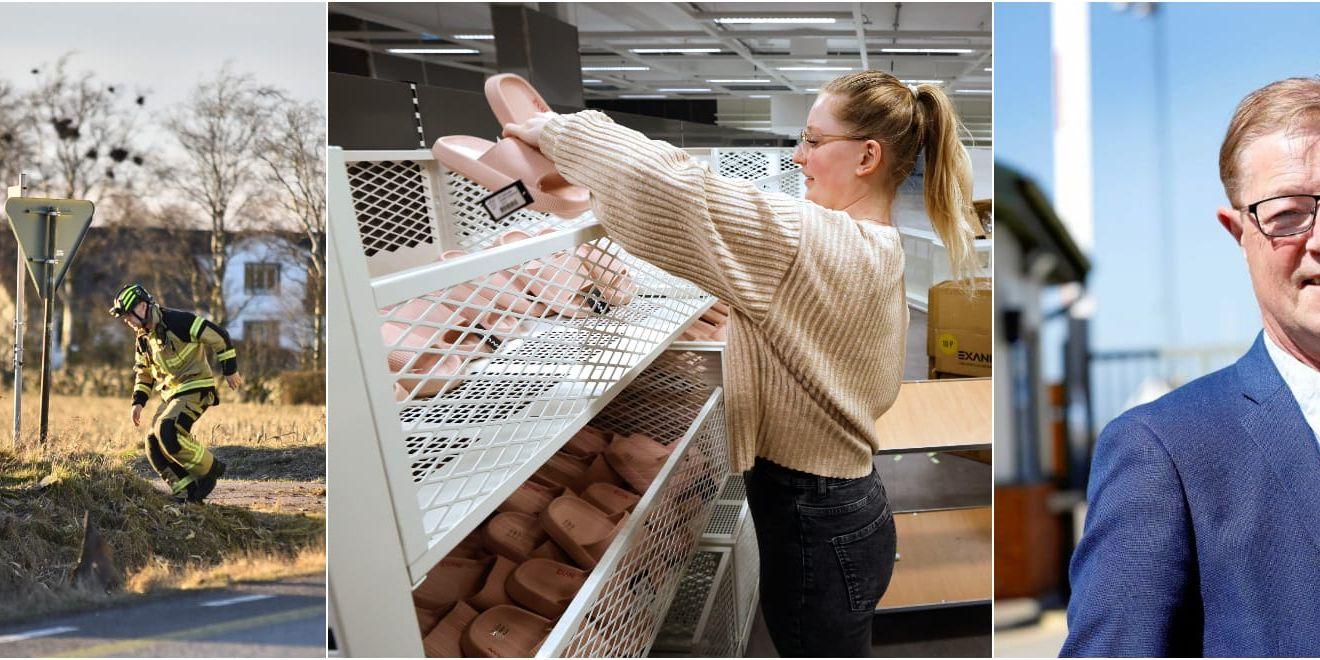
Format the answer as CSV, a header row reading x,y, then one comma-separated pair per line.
x,y
813,140
1285,215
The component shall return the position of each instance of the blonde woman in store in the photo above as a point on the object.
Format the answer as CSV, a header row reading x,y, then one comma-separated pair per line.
x,y
818,319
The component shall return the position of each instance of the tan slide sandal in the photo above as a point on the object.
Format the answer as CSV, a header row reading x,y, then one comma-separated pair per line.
x,y
582,530
550,550
600,472
530,498
493,592
588,441
610,499
426,620
545,587
513,535
450,581
505,631
638,459
560,470
446,639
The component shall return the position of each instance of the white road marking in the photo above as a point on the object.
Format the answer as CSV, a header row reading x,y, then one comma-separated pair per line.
x,y
236,600
42,632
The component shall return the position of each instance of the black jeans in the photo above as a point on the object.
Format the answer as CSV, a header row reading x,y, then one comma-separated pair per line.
x,y
827,553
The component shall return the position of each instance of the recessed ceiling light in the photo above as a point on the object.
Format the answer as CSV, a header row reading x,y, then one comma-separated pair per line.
x,y
475,37
590,81
653,51
643,96
738,81
943,51
758,96
922,82
616,68
774,19
683,90
434,51
989,69
972,91
814,68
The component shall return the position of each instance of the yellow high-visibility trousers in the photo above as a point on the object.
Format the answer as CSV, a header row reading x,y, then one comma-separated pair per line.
x,y
171,448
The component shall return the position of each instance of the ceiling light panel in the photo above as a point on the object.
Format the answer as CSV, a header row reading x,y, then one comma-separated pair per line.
x,y
434,51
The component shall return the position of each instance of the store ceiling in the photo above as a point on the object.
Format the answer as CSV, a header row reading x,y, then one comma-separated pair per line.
x,y
946,42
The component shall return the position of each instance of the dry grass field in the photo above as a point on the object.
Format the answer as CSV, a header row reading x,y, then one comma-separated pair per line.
x,y
265,520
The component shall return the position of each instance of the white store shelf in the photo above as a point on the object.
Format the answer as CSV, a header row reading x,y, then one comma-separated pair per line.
x,y
452,456
619,610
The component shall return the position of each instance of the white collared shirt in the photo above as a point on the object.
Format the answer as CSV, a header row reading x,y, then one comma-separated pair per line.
x,y
1303,380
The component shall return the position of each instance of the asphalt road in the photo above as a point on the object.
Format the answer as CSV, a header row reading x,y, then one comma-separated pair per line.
x,y
280,619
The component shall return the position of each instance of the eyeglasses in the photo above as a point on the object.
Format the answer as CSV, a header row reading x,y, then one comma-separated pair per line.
x,y
812,140
1285,215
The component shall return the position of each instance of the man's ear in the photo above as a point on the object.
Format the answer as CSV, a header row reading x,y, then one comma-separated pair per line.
x,y
872,158
1231,220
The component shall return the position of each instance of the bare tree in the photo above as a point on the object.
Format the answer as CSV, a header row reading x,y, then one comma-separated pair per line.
x,y
84,133
17,145
219,129
293,150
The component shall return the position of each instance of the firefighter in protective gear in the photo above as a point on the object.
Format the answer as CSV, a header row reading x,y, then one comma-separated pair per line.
x,y
171,356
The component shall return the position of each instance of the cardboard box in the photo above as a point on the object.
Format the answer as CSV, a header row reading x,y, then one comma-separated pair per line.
x,y
958,339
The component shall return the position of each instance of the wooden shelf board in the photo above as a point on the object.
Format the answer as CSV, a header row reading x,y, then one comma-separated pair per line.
x,y
937,415
944,560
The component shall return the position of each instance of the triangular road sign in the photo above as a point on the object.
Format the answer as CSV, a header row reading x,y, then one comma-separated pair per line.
x,y
31,218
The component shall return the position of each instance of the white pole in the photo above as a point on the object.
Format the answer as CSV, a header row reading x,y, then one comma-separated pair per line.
x,y
19,325
1071,35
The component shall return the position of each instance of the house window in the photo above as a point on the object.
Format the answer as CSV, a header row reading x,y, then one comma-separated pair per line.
x,y
261,278
262,332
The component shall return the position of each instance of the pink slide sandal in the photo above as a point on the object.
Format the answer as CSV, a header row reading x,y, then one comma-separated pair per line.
x,y
561,284
582,530
503,297
611,284
440,369
496,165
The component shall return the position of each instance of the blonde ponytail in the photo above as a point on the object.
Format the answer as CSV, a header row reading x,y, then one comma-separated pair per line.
x,y
877,105
948,186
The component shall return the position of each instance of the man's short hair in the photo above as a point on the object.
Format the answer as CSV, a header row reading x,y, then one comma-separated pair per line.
x,y
1287,104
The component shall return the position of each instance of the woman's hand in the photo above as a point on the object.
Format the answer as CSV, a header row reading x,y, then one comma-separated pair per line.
x,y
530,130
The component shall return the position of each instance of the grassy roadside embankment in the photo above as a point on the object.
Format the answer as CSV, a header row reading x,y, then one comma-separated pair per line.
x,y
93,461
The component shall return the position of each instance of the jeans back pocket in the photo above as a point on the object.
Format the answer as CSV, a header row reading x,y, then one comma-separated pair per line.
x,y
866,558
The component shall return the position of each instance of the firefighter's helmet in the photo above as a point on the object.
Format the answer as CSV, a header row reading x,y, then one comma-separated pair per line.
x,y
128,298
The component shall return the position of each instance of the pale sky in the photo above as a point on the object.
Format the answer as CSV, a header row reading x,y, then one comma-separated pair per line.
x,y
165,49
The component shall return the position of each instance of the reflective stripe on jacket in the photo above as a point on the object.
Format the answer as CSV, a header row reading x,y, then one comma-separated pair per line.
x,y
171,357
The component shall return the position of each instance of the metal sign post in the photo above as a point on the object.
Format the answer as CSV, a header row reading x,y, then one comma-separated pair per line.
x,y
20,310
49,232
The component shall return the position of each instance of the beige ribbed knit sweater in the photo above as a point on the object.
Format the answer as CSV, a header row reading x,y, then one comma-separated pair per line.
x,y
818,315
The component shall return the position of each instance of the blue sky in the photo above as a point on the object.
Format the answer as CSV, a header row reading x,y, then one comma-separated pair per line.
x,y
1215,55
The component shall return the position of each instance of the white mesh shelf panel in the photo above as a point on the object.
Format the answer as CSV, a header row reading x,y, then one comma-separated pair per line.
x,y
479,364
627,595
772,169
702,620
716,598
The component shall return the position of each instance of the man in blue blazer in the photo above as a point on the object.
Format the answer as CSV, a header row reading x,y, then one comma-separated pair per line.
x,y
1203,535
